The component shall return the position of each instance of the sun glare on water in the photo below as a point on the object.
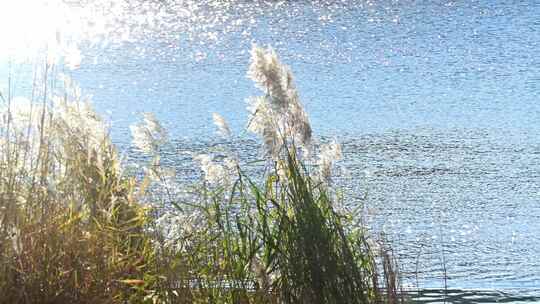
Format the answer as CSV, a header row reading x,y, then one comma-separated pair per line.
x,y
54,28
29,25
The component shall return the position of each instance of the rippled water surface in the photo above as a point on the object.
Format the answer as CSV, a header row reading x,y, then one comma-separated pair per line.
x,y
436,103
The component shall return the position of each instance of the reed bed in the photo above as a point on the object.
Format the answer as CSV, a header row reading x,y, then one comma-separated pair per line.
x,y
76,228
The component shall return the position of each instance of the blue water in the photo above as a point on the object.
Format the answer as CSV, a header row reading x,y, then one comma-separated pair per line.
x,y
437,104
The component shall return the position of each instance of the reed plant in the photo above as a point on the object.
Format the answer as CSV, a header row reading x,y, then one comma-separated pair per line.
x,y
70,227
76,228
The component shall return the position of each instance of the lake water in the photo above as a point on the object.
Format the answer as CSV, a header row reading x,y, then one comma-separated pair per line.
x,y
436,103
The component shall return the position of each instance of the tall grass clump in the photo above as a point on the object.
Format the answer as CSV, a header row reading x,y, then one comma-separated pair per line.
x,y
70,228
75,227
279,235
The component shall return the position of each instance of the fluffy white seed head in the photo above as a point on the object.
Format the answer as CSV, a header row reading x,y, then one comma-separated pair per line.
x,y
278,117
78,117
214,173
262,123
177,227
222,125
67,124
274,78
148,135
330,153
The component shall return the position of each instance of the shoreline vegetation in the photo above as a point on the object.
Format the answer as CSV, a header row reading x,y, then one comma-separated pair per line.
x,y
78,225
